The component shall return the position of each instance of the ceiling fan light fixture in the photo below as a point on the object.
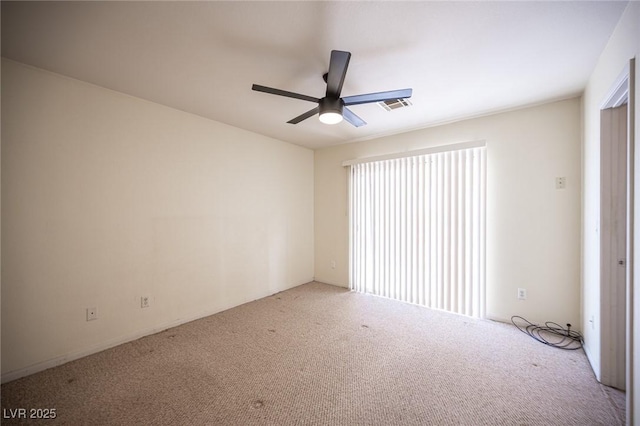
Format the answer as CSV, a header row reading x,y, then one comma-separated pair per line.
x,y
330,117
330,111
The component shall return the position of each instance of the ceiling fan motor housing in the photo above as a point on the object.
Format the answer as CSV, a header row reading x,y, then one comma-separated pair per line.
x,y
331,105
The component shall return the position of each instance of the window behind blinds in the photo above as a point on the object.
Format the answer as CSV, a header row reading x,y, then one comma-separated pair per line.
x,y
417,229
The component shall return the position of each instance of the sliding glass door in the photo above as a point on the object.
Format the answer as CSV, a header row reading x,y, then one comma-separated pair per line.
x,y
417,229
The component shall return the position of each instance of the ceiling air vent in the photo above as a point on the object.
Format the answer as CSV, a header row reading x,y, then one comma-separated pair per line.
x,y
392,104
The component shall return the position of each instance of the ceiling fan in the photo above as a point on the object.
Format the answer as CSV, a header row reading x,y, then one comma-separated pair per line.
x,y
332,108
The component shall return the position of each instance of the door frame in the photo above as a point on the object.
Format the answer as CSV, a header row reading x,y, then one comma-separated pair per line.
x,y
623,91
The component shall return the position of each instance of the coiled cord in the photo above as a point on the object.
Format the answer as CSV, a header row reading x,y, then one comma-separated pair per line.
x,y
551,334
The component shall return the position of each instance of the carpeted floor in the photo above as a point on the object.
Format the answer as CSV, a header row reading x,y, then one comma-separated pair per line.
x,y
320,355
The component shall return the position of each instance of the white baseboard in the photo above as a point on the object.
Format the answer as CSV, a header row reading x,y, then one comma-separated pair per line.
x,y
318,280
497,318
72,356
54,362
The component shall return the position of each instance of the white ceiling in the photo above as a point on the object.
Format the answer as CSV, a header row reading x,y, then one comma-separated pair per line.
x,y
462,59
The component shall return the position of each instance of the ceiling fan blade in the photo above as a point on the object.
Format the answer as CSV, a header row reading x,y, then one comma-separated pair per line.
x,y
279,92
348,115
377,97
304,116
337,72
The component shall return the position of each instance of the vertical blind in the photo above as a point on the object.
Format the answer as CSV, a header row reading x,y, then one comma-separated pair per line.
x,y
417,229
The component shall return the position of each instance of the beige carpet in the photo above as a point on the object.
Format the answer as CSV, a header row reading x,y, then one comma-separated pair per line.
x,y
320,355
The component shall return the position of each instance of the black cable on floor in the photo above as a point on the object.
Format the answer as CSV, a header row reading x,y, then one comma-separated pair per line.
x,y
550,334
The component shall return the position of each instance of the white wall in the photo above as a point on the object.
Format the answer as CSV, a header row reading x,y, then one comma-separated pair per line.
x,y
623,45
533,230
106,198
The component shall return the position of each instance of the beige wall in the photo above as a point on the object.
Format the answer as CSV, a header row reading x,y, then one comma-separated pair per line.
x,y
623,45
533,229
107,198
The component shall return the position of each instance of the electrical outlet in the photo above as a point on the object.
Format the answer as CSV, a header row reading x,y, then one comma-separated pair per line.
x,y
522,294
333,264
561,182
92,314
144,302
